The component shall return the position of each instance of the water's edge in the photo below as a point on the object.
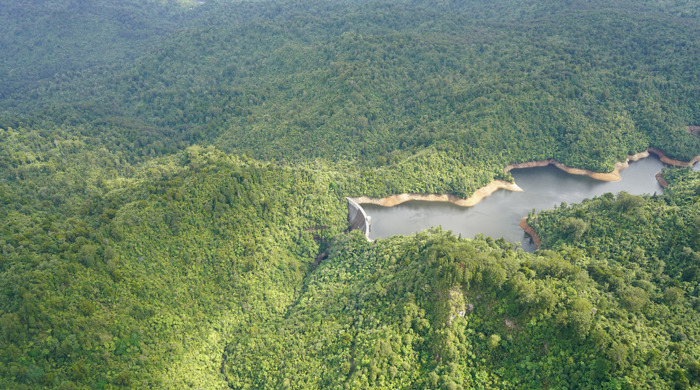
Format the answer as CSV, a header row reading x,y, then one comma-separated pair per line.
x,y
480,194
483,192
495,185
531,232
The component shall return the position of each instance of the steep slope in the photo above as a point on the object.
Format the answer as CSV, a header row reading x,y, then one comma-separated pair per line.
x,y
173,179
434,311
42,39
378,83
644,253
139,281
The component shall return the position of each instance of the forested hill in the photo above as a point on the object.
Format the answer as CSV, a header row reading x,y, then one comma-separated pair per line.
x,y
41,39
614,304
173,178
379,82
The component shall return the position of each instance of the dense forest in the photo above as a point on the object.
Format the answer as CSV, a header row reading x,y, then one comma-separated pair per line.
x,y
173,176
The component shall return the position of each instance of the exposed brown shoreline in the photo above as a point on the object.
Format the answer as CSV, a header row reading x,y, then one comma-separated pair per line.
x,y
476,197
529,230
610,176
660,179
664,159
490,188
495,185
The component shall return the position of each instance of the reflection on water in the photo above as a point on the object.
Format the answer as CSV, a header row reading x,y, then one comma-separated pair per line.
x,y
499,214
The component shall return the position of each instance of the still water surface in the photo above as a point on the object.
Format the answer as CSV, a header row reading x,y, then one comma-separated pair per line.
x,y
499,214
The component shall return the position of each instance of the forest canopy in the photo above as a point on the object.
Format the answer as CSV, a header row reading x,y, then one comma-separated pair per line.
x,y
173,178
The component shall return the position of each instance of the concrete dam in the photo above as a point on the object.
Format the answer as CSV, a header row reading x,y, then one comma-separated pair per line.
x,y
357,218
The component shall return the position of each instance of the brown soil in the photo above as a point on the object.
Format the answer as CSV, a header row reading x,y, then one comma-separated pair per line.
x,y
495,185
529,230
478,195
670,161
662,182
611,176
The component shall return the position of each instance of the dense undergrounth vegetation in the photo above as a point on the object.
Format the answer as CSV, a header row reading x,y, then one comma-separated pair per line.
x,y
173,178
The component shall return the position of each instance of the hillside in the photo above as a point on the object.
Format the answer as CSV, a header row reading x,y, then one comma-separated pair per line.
x,y
173,178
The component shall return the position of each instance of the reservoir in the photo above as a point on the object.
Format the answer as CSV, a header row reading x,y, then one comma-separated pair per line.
x,y
498,215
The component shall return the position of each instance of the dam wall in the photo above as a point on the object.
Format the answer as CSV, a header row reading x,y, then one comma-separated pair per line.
x,y
358,218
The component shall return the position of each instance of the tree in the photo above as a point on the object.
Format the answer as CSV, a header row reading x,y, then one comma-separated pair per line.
x,y
574,228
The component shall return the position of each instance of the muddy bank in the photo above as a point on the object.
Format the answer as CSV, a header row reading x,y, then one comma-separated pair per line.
x,y
442,216
677,163
660,179
495,185
611,176
478,195
615,174
529,230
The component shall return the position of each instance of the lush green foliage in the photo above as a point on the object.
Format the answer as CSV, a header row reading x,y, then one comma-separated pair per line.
x,y
43,38
380,83
431,311
172,176
644,253
137,281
